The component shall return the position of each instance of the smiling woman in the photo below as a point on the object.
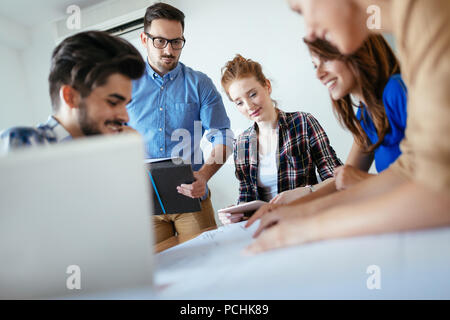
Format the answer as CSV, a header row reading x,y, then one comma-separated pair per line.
x,y
413,192
364,75
281,151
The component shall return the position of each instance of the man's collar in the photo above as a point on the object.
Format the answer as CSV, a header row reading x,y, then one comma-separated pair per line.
x,y
60,133
175,72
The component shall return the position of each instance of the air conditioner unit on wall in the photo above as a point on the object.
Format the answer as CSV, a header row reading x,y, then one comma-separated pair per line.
x,y
115,16
127,27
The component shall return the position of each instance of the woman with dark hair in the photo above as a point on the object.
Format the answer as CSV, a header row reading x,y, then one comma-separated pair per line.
x,y
413,192
369,80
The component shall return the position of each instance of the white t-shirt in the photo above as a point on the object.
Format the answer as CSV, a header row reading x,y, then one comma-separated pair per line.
x,y
268,176
268,173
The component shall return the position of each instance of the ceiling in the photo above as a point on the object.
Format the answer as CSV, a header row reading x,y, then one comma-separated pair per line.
x,y
31,12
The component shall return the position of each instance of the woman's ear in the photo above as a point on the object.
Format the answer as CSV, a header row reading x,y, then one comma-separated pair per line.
x,y
69,96
269,86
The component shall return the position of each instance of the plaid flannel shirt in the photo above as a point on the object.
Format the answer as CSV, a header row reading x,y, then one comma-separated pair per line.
x,y
303,146
21,137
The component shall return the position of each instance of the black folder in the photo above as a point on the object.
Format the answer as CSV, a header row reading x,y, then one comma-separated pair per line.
x,y
165,176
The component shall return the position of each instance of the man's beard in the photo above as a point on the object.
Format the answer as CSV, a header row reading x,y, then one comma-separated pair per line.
x,y
87,125
168,67
90,127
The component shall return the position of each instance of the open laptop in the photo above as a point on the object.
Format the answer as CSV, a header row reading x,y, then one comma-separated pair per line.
x,y
75,219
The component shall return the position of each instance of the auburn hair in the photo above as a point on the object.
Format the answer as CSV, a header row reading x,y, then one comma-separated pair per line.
x,y
371,65
240,68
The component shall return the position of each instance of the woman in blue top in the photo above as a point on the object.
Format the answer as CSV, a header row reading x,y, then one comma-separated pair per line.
x,y
369,80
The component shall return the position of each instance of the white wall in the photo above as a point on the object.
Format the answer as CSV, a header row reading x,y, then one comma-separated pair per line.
x,y
265,31
23,80
15,106
36,61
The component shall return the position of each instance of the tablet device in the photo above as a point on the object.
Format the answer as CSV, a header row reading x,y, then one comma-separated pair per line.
x,y
248,207
165,176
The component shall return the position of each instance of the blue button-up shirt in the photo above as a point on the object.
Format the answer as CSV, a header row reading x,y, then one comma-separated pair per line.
x,y
173,112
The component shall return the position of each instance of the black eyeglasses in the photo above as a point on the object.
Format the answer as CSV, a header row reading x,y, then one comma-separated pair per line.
x,y
161,43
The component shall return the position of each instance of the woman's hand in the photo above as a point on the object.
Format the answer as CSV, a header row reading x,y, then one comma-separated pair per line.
x,y
272,214
291,195
347,176
284,233
269,207
227,218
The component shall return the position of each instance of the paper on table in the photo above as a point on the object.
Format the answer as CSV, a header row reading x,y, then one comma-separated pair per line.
x,y
209,257
414,265
230,234
229,240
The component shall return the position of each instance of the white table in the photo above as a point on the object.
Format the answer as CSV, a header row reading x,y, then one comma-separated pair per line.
x,y
413,265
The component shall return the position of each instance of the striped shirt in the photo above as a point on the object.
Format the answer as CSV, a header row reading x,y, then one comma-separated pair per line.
x,y
303,146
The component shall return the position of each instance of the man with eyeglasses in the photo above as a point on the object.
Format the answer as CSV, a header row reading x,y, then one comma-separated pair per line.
x,y
173,102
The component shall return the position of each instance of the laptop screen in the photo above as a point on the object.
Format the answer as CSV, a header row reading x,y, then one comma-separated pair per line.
x,y
75,219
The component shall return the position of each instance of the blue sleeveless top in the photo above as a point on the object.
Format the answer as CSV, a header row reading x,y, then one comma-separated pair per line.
x,y
394,100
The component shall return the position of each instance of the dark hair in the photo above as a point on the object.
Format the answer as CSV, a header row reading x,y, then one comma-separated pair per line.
x,y
85,61
371,65
162,10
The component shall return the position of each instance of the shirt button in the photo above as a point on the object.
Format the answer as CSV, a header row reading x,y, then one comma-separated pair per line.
x,y
161,149
160,109
160,129
162,88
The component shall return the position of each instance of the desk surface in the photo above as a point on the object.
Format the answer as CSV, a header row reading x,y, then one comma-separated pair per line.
x,y
412,265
